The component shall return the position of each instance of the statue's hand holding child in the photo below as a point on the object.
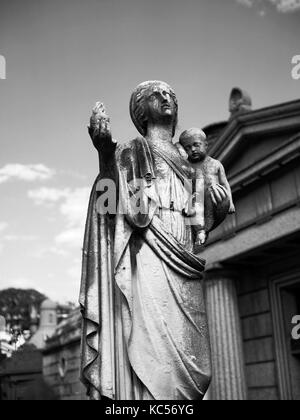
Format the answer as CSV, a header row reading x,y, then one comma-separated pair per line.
x,y
201,238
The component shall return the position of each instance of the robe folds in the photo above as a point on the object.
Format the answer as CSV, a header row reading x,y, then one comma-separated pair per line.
x,y
145,333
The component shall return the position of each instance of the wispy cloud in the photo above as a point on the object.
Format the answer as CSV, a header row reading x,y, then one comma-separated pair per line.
x,y
282,6
29,173
3,227
17,282
20,238
7,237
75,270
71,237
72,205
46,196
286,6
22,282
248,3
45,251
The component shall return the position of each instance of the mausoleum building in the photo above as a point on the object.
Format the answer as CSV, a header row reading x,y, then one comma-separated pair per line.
x,y
253,266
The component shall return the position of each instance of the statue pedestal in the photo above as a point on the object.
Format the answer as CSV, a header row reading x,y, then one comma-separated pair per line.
x,y
228,379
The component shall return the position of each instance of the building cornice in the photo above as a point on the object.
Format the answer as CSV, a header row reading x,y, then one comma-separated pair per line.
x,y
266,121
272,162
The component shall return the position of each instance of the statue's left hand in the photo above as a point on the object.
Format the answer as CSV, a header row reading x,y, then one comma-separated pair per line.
x,y
201,238
218,194
100,130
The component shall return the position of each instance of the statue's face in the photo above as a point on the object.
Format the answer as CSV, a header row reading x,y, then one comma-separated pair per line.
x,y
153,102
160,105
195,147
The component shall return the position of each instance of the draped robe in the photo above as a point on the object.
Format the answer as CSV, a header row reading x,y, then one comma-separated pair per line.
x,y
145,333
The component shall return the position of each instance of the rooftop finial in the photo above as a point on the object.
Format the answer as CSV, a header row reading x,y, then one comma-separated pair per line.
x,y
240,102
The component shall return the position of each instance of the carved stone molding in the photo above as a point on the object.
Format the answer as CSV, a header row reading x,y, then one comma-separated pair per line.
x,y
274,119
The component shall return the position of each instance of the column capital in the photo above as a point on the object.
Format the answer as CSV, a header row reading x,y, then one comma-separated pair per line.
x,y
220,271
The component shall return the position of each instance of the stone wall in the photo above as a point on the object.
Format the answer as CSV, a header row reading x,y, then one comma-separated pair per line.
x,y
61,360
21,377
258,337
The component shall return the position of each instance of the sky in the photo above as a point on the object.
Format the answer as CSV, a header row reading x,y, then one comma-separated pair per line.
x,y
64,55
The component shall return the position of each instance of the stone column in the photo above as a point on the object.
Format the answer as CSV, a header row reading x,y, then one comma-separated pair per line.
x,y
228,381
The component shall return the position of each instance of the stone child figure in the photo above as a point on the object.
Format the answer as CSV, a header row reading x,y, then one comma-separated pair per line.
x,y
195,144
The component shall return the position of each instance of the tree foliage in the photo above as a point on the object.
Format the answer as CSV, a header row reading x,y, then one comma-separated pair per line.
x,y
16,305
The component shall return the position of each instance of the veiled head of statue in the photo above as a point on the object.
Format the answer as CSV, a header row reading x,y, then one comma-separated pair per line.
x,y
153,101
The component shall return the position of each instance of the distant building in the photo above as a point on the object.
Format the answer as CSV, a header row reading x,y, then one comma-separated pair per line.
x,y
21,310
21,372
61,359
47,324
253,265
21,375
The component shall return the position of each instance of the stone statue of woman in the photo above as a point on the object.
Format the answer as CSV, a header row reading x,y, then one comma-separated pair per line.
x,y
145,333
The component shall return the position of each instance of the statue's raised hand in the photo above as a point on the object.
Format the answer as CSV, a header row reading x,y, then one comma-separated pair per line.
x,y
100,130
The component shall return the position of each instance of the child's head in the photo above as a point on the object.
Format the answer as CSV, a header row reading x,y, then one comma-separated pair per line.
x,y
195,144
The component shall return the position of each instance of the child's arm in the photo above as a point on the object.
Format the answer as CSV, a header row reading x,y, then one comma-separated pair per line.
x,y
224,182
